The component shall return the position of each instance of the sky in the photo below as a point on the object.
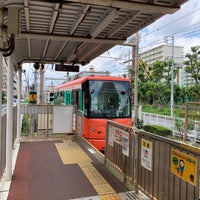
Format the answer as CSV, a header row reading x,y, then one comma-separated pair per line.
x,y
184,25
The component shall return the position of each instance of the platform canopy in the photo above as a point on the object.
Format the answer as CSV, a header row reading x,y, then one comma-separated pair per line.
x,y
77,31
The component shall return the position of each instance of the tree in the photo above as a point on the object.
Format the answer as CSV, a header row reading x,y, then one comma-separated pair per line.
x,y
193,64
161,71
3,97
157,70
154,83
193,92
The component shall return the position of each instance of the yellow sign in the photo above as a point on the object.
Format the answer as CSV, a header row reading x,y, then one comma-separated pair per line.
x,y
184,166
32,97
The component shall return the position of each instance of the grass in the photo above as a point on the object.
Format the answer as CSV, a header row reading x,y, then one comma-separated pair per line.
x,y
162,110
178,112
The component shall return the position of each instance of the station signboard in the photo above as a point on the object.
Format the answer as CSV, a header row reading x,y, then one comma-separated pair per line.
x,y
67,68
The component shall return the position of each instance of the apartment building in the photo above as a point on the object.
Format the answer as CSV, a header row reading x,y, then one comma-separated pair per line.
x,y
187,80
164,52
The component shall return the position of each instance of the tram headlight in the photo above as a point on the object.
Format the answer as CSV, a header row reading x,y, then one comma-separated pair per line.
x,y
93,130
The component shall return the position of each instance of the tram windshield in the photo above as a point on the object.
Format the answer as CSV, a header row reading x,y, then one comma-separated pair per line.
x,y
109,99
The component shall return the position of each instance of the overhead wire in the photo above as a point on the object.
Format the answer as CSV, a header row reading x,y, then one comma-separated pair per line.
x,y
154,43
113,63
161,41
194,29
171,22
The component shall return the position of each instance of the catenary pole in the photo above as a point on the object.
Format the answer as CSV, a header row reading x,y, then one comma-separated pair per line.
x,y
41,91
172,81
135,65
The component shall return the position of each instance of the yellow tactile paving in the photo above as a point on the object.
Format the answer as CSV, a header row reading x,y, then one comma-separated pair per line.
x,y
95,178
71,153
104,189
110,197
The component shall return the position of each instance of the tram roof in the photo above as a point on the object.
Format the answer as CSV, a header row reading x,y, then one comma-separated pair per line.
x,y
77,31
78,81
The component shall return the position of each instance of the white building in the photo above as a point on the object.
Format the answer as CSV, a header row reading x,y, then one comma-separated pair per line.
x,y
187,80
164,52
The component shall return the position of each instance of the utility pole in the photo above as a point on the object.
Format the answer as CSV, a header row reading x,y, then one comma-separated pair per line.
x,y
41,93
172,77
135,67
172,81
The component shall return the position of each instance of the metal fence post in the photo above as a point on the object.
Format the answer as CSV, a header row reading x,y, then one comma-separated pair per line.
x,y
47,120
136,163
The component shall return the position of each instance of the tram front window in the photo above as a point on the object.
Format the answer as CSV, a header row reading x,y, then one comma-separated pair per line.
x,y
109,99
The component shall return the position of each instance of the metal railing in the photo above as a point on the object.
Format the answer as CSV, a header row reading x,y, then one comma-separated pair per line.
x,y
36,109
153,164
40,118
193,134
161,120
39,122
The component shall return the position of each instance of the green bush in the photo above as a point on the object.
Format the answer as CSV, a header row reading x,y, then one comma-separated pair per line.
x,y
159,130
58,101
25,124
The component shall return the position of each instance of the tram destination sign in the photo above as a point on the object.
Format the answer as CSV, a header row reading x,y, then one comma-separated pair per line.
x,y
66,68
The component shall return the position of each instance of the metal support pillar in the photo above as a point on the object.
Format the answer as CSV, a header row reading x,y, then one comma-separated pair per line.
x,y
41,95
19,103
9,125
1,65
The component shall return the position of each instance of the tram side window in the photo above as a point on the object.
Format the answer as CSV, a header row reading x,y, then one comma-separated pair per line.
x,y
86,103
76,98
60,97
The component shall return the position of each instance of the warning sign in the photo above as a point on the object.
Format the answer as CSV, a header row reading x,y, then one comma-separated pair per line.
x,y
33,97
146,154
